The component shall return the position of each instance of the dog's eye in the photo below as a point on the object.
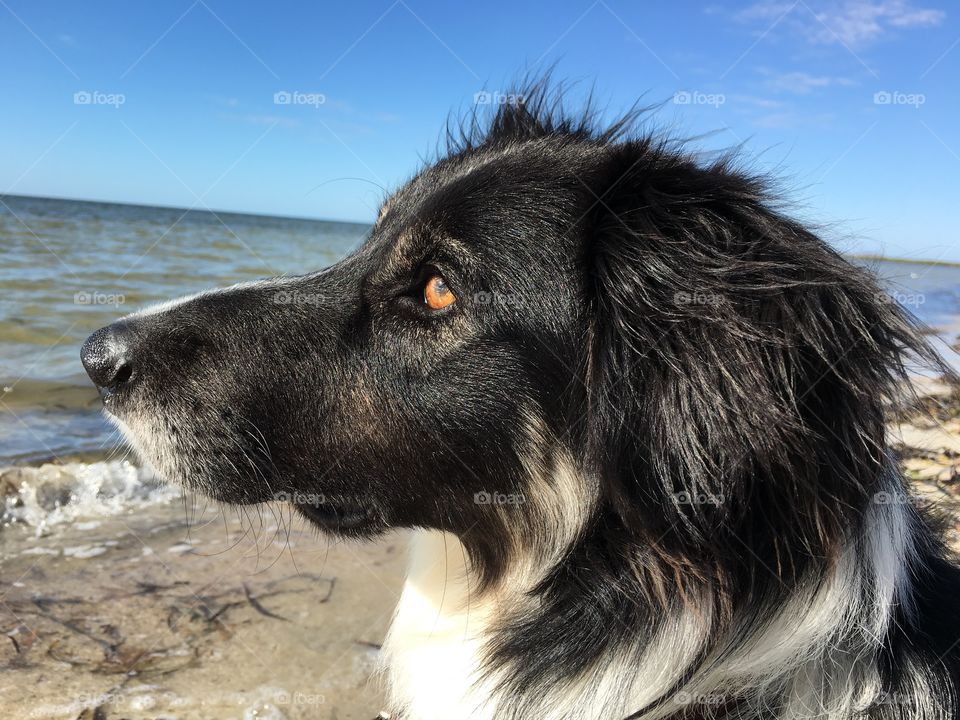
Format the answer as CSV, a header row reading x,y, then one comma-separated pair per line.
x,y
437,294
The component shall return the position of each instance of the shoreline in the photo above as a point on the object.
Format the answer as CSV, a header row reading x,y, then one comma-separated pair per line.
x,y
926,441
873,257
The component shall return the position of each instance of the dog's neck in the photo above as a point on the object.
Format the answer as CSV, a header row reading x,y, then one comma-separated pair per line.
x,y
435,645
813,656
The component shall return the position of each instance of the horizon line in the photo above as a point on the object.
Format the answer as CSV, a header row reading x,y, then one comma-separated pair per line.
x,y
214,211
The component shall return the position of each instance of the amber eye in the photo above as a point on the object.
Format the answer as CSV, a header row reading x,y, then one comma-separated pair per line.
x,y
437,294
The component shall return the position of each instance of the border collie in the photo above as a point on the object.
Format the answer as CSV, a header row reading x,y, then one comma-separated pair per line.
x,y
634,412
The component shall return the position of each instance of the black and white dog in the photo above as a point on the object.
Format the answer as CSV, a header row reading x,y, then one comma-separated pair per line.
x,y
634,413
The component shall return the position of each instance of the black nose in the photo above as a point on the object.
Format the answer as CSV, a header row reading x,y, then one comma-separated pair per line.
x,y
108,356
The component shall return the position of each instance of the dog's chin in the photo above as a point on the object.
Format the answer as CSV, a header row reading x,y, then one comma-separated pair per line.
x,y
342,517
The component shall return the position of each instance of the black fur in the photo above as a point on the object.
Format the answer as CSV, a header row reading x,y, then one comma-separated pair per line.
x,y
671,330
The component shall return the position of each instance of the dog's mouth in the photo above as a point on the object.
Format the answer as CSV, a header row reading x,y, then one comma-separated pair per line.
x,y
337,516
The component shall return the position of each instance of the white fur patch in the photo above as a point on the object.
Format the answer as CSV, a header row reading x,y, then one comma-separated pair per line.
x,y
433,649
814,659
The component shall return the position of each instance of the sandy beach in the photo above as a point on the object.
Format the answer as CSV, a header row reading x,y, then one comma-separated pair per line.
x,y
147,616
183,611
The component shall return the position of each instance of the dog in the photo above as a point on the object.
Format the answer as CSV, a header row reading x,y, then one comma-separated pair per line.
x,y
633,412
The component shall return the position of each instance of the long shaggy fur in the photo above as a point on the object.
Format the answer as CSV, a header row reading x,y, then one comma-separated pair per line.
x,y
645,451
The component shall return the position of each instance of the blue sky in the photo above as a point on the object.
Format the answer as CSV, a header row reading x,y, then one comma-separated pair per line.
x,y
854,103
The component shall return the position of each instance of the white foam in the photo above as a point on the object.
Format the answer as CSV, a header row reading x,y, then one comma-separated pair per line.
x,y
50,495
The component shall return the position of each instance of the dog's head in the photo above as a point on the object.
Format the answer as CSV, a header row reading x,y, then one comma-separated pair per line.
x,y
555,330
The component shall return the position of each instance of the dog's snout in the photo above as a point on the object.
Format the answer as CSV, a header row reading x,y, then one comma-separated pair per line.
x,y
109,355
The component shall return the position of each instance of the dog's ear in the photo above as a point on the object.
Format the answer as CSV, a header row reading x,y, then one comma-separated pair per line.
x,y
739,365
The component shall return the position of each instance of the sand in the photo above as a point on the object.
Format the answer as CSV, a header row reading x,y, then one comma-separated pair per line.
x,y
143,616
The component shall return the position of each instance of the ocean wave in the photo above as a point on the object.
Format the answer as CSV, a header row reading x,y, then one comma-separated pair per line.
x,y
52,494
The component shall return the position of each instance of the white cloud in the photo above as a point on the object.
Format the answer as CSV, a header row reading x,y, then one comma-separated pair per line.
x,y
850,22
777,120
801,83
756,101
788,120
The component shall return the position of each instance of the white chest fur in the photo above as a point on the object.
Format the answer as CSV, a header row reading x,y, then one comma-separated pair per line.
x,y
436,643
433,647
